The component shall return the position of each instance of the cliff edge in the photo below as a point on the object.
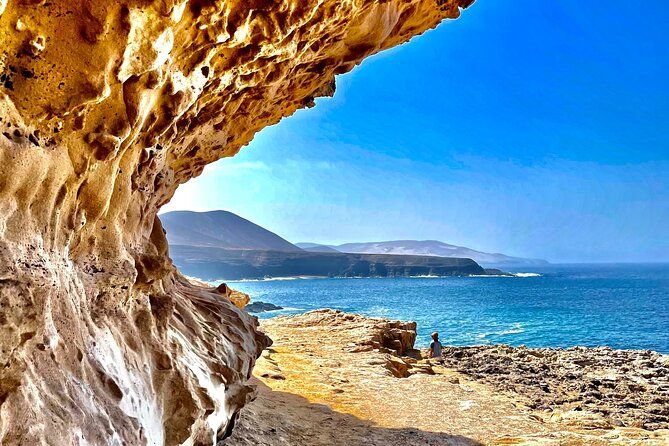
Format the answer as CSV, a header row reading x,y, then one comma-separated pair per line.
x,y
105,108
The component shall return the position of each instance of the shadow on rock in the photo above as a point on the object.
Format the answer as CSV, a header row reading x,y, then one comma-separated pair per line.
x,y
285,419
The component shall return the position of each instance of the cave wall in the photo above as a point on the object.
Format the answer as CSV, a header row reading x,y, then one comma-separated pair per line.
x,y
105,108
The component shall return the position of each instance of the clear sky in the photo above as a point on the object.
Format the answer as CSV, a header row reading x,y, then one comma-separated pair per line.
x,y
532,128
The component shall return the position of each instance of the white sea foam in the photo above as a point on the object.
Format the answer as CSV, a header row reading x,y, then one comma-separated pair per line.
x,y
280,279
516,328
282,311
489,275
268,279
507,275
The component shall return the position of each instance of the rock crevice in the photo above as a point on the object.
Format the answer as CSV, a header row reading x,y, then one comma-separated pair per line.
x,y
105,108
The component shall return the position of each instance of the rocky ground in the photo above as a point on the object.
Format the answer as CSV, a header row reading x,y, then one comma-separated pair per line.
x,y
622,387
333,378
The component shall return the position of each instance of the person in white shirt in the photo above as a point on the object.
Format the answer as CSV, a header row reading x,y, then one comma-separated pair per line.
x,y
435,347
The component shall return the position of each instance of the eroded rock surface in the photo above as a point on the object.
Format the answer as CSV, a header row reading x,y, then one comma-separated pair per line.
x,y
105,108
622,387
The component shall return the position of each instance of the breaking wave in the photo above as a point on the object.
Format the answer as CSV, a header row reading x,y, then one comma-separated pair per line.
x,y
516,328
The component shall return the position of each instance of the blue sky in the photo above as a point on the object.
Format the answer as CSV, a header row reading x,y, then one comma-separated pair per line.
x,y
530,128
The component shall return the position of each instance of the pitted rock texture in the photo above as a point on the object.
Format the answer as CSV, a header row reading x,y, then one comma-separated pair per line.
x,y
388,336
105,108
393,340
622,387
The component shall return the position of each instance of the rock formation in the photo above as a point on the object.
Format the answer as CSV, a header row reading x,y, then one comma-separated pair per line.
x,y
333,378
620,387
261,307
105,108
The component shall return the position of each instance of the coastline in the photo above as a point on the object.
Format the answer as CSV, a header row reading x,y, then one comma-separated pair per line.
x,y
337,378
519,275
620,308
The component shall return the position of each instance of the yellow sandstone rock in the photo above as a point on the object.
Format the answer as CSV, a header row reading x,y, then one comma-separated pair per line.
x,y
105,108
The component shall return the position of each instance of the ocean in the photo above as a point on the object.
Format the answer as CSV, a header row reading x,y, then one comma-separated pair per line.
x,y
623,306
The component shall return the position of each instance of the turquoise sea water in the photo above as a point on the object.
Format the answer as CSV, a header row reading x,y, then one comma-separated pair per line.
x,y
621,306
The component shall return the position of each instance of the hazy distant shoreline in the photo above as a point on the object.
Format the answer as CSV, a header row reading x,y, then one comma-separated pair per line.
x,y
216,244
210,263
519,275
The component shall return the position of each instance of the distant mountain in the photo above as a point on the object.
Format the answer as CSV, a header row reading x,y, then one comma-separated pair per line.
x,y
220,244
435,248
220,229
209,263
315,247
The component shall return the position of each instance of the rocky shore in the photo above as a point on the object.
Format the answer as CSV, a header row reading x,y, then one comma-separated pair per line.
x,y
333,378
618,387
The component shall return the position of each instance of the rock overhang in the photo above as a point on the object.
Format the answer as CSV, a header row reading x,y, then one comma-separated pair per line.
x,y
105,108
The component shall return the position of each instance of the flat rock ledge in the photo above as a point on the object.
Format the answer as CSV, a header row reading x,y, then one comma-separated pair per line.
x,y
333,378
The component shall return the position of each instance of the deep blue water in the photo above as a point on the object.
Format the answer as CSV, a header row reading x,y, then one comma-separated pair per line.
x,y
622,306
